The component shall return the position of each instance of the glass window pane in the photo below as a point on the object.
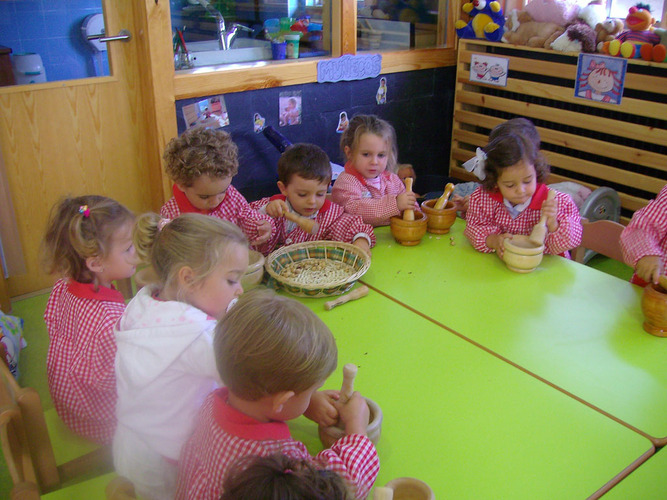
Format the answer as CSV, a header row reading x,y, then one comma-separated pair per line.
x,y
619,8
225,31
385,26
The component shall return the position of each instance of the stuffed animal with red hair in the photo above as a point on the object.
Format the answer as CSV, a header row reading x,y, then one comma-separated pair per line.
x,y
640,31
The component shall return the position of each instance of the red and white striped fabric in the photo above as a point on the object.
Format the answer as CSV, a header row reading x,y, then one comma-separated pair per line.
x,y
80,359
357,197
646,234
335,225
234,208
488,215
224,435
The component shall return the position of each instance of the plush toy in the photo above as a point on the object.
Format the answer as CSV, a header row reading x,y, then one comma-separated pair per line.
x,y
561,12
486,21
580,36
658,52
606,31
628,43
520,29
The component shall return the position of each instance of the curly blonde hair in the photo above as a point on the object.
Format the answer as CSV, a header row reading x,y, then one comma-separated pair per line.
x,y
201,151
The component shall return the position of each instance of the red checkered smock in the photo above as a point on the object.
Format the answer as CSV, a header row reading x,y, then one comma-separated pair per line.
x,y
80,359
335,225
646,234
488,215
376,206
223,435
234,208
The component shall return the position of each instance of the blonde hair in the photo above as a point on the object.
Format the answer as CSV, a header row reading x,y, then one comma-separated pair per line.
x,y
201,151
267,344
78,228
371,124
194,240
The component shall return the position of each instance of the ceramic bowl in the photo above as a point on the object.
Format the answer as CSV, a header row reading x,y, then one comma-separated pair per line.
x,y
255,272
654,307
440,220
410,488
329,435
409,232
521,255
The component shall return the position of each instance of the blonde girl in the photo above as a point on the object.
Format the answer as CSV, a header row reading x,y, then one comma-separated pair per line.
x,y
165,364
369,187
88,244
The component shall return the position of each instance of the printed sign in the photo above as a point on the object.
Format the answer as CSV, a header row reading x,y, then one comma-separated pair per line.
x,y
349,67
600,78
489,69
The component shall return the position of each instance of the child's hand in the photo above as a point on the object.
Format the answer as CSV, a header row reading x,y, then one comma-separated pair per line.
x,y
363,244
276,208
648,268
322,409
406,200
263,232
461,202
550,210
354,414
496,242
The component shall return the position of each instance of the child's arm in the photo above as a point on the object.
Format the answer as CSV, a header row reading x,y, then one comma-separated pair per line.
x,y
339,226
563,223
321,409
170,209
348,192
484,234
277,225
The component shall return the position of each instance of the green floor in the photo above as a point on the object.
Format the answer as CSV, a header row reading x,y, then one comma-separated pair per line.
x,y
32,362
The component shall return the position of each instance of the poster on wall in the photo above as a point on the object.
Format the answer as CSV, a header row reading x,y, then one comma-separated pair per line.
x,y
489,69
290,108
600,78
208,113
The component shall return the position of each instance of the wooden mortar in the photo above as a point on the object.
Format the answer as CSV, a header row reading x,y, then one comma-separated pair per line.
x,y
521,255
409,232
254,272
654,307
410,488
439,220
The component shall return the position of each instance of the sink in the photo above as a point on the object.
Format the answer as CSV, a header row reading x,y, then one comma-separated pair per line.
x,y
208,53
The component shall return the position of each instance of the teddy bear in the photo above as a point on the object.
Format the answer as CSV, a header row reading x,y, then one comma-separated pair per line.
x,y
486,21
520,29
606,31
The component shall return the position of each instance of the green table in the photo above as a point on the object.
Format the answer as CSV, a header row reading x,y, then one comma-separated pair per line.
x,y
464,421
648,482
573,326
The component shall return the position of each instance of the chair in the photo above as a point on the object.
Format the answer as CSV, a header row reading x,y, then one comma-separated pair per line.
x,y
601,236
25,434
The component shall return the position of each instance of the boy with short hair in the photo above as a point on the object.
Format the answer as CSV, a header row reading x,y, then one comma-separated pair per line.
x,y
202,162
304,175
271,365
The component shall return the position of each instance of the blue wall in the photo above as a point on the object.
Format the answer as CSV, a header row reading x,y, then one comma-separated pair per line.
x,y
52,28
419,106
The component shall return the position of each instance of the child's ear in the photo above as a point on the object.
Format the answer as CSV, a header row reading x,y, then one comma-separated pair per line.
x,y
347,152
94,264
283,188
185,276
279,400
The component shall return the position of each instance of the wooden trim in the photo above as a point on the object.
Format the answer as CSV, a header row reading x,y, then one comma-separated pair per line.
x,y
348,20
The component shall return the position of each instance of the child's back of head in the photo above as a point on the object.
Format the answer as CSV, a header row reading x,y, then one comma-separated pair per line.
x,y
201,151
267,344
521,126
80,228
279,477
305,160
370,124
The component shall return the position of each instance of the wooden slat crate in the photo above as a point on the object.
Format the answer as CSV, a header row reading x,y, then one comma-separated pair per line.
x,y
621,146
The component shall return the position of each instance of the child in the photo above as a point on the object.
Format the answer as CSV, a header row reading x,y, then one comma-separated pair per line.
x,y
282,477
271,364
304,174
512,197
644,241
165,365
89,243
368,187
202,162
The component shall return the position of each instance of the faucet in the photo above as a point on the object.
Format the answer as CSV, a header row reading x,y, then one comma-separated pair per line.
x,y
225,37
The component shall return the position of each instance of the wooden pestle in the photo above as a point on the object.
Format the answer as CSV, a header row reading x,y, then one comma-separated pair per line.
x,y
409,214
539,232
308,225
442,201
362,291
346,390
383,493
662,280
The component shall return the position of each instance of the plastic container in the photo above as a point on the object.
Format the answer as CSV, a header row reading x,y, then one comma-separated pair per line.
x,y
279,50
28,68
286,23
272,26
292,49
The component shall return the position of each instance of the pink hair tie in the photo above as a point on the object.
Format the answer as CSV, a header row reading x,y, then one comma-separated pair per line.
x,y
161,223
83,209
288,471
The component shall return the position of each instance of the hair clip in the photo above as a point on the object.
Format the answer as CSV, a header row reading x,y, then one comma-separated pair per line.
x,y
84,210
161,223
476,164
288,471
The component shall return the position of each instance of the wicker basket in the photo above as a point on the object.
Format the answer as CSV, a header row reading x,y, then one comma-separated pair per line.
x,y
332,250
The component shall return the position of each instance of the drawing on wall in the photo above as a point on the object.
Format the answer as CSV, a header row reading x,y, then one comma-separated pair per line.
x,y
209,113
488,69
343,122
290,108
600,78
381,95
258,122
